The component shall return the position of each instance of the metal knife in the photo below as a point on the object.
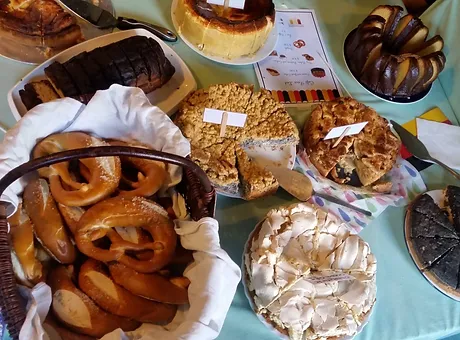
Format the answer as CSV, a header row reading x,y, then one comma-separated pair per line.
x,y
104,19
418,149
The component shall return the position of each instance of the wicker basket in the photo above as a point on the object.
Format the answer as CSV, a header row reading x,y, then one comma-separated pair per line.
x,y
195,186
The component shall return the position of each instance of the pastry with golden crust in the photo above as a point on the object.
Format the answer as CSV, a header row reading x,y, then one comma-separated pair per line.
x,y
223,158
39,23
370,154
229,33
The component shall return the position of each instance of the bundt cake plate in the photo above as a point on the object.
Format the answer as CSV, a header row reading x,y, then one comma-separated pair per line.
x,y
181,19
402,100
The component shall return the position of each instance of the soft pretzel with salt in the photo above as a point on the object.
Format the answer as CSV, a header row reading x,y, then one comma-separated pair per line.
x,y
95,281
104,172
151,286
77,311
49,227
151,175
137,212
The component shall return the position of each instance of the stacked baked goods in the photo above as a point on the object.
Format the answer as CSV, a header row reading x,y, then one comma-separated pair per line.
x,y
38,23
433,235
359,160
96,233
135,61
223,158
389,53
226,32
308,276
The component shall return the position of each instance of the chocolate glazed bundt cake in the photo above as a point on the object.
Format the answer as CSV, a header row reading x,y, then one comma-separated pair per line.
x,y
389,53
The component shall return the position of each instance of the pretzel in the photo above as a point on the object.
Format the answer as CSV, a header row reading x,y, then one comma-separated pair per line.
x,y
105,172
71,215
150,286
100,219
27,267
49,227
77,311
151,175
95,281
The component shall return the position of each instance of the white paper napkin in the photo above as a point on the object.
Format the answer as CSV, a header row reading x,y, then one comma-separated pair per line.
x,y
442,141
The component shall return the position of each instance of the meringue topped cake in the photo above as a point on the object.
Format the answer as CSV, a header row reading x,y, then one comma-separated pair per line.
x,y
308,275
226,32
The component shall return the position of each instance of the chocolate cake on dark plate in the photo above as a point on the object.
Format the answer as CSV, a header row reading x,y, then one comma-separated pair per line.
x,y
433,238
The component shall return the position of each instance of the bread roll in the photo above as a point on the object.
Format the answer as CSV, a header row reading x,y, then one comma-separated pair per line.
x,y
48,224
94,280
77,311
151,286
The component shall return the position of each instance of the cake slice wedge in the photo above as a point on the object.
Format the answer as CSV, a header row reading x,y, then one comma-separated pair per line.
x,y
407,75
107,65
128,77
256,182
416,41
61,80
432,45
425,205
37,92
79,76
424,226
452,203
407,28
429,250
447,267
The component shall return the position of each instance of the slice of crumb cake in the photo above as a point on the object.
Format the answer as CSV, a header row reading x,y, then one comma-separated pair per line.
x,y
255,181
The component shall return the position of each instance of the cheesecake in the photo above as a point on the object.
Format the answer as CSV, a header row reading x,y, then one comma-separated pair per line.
x,y
225,32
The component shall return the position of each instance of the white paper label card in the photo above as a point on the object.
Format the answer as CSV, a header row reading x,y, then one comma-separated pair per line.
x,y
216,2
353,129
333,277
239,4
215,117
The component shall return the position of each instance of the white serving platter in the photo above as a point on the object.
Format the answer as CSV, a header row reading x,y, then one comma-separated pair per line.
x,y
167,98
438,198
280,156
261,54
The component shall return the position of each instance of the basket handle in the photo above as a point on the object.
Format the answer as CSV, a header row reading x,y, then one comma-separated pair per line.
x,y
13,311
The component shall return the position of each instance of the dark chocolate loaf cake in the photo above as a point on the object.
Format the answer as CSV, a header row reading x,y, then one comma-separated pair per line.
x,y
135,61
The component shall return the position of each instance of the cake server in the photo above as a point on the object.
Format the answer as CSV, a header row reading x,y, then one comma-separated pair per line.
x,y
299,186
418,149
104,19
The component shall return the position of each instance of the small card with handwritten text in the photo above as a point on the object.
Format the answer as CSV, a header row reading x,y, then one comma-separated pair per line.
x,y
295,72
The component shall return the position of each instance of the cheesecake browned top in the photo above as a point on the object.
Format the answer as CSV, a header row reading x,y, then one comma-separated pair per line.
x,y
36,20
253,17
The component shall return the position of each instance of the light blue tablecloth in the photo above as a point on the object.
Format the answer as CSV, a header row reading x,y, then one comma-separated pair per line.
x,y
407,307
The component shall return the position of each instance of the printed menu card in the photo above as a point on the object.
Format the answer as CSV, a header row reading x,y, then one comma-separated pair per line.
x,y
297,70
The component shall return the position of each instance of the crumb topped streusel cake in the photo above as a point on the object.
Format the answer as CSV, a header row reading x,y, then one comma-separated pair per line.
x,y
370,154
223,158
